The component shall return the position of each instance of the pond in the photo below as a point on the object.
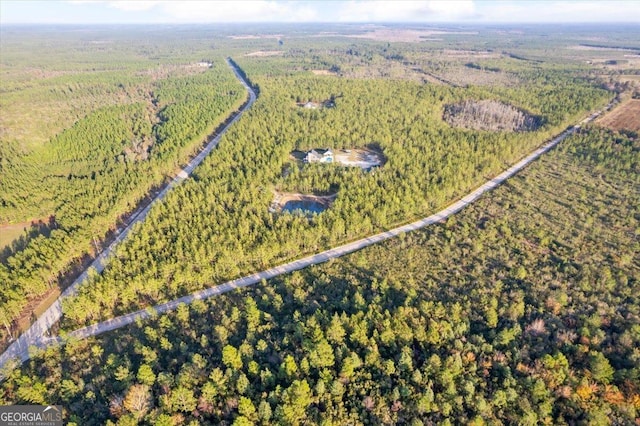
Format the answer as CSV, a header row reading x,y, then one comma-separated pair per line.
x,y
304,206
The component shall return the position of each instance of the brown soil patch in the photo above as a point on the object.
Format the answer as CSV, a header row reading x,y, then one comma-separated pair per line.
x,y
428,77
262,53
623,78
363,158
630,77
624,117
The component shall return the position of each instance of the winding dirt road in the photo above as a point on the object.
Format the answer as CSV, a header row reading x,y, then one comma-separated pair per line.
x,y
35,336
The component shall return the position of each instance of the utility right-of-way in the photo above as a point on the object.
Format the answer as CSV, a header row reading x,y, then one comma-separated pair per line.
x,y
121,321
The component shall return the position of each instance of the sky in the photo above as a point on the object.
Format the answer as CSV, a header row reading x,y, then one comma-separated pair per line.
x,y
230,11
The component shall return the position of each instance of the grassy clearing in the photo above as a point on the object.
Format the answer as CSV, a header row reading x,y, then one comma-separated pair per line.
x,y
10,233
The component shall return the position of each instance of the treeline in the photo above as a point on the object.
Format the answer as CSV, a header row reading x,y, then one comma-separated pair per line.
x,y
218,226
522,309
93,173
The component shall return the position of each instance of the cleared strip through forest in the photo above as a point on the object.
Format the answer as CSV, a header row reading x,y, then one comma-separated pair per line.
x,y
35,335
124,320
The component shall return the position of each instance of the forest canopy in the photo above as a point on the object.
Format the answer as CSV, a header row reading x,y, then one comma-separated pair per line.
x,y
85,180
521,309
101,167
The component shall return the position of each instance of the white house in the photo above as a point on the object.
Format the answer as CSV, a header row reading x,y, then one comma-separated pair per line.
x,y
319,156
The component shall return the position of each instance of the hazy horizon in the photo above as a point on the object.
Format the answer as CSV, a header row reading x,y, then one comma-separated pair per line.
x,y
508,12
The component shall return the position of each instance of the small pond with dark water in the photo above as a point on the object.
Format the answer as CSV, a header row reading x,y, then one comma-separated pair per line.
x,y
304,206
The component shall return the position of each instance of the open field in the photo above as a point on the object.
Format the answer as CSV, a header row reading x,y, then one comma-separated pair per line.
x,y
405,35
9,233
264,53
629,77
323,72
625,117
255,36
600,48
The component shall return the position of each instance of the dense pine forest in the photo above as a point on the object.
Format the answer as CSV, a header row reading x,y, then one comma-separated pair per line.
x,y
521,309
218,226
82,182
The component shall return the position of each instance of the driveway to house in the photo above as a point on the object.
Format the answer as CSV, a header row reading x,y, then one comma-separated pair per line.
x,y
38,339
36,334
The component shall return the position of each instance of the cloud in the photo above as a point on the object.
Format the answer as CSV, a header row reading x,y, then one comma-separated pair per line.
x,y
125,5
212,11
239,11
130,5
294,11
405,11
561,11
473,11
